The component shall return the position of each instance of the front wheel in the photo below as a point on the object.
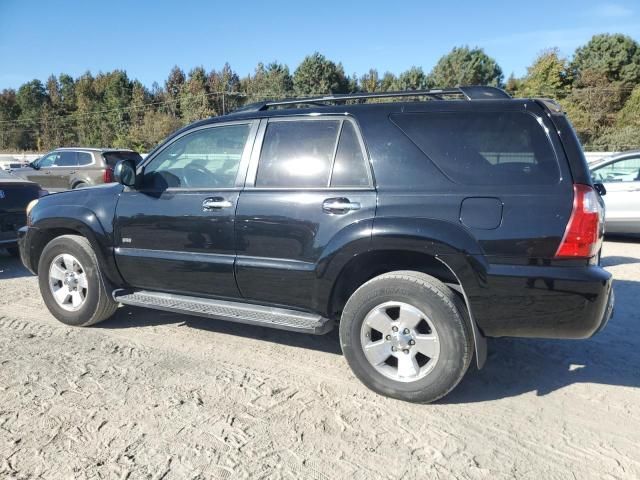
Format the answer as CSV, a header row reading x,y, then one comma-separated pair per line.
x,y
71,283
405,335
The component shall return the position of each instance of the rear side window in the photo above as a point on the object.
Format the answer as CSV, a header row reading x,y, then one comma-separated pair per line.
x,y
484,148
67,159
349,169
84,158
304,153
114,157
297,154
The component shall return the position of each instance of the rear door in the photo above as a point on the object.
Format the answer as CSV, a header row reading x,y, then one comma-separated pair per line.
x,y
176,232
63,168
622,181
308,185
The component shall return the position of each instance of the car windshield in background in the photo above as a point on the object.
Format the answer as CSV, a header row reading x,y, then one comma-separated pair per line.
x,y
114,157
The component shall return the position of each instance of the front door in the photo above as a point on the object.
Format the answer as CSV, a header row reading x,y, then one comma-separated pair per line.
x,y
175,233
309,192
621,178
41,174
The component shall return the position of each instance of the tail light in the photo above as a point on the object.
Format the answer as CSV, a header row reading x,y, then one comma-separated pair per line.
x,y
107,176
582,235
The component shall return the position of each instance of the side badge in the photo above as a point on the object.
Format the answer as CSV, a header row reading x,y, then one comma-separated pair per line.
x,y
126,240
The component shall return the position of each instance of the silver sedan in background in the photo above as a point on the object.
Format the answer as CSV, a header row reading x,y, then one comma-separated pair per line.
x,y
620,175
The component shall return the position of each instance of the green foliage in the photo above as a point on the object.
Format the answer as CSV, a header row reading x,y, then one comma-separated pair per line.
x,y
548,76
317,75
412,79
617,57
629,115
465,66
271,82
614,139
592,104
599,89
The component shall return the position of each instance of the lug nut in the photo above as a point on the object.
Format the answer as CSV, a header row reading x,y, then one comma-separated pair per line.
x,y
406,331
394,328
406,351
393,349
412,342
388,337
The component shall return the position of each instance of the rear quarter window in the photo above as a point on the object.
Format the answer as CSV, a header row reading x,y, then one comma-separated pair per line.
x,y
484,148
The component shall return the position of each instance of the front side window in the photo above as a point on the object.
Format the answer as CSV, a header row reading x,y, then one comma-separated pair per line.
x,y
206,158
627,170
48,161
311,154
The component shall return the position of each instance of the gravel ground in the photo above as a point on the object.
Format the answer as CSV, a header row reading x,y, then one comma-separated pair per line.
x,y
162,396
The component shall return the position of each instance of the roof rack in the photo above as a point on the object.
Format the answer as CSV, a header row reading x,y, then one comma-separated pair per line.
x,y
464,93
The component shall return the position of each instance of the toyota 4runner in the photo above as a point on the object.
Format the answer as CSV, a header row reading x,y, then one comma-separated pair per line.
x,y
419,227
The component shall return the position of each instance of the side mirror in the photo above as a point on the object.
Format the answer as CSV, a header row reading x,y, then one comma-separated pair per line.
x,y
125,173
599,187
34,165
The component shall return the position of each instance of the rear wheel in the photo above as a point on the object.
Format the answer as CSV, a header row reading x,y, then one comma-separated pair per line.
x,y
71,283
405,335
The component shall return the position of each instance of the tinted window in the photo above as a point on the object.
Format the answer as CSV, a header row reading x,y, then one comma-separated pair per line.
x,y
484,148
114,157
84,158
207,158
67,159
627,170
349,169
297,153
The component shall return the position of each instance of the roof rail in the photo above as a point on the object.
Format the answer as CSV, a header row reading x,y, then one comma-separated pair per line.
x,y
464,93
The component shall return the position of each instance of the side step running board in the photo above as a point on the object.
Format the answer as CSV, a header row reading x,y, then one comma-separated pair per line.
x,y
280,318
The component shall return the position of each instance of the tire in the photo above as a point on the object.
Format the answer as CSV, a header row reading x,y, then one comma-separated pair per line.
x,y
97,304
14,252
79,185
436,312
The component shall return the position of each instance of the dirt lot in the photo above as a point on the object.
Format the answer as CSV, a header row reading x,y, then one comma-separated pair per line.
x,y
156,395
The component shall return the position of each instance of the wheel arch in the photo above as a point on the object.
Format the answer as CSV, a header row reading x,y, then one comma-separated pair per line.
x,y
78,220
444,250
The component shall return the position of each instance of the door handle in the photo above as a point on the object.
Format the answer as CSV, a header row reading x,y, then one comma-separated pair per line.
x,y
339,205
215,203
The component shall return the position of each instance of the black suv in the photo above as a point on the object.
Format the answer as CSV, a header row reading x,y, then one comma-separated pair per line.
x,y
419,227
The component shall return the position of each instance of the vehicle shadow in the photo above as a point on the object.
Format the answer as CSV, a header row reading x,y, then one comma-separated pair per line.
x,y
613,260
11,267
517,366
131,317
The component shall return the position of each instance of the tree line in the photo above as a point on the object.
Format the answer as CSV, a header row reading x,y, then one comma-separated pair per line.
x,y
598,86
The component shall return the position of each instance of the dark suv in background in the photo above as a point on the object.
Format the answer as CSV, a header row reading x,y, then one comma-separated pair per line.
x,y
418,227
69,168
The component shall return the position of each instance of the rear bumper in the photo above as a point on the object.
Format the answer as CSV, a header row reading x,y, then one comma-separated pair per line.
x,y
542,301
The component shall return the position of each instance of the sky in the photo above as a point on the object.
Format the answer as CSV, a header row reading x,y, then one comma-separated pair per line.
x,y
147,38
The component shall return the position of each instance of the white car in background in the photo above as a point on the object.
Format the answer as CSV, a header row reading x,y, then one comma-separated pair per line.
x,y
620,174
